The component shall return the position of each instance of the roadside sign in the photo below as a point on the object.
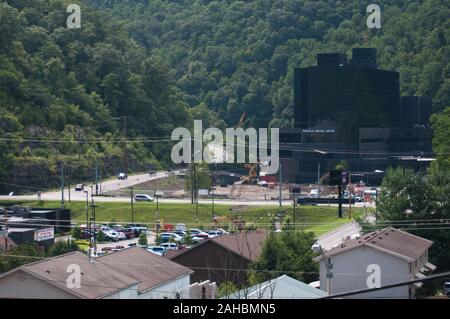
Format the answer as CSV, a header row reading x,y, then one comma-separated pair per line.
x,y
44,234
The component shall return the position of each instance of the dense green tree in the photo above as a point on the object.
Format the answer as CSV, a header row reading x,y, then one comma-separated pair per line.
x,y
288,253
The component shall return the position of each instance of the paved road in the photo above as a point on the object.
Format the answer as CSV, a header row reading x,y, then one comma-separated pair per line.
x,y
106,186
336,236
115,184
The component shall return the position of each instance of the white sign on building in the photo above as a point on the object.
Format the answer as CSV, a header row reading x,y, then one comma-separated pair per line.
x,y
44,234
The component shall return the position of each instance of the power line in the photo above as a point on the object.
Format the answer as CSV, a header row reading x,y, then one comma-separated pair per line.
x,y
404,283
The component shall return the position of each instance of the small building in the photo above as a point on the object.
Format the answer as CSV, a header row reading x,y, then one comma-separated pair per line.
x,y
27,217
393,255
283,287
222,259
132,273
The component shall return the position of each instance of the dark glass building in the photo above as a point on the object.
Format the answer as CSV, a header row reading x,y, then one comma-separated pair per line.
x,y
352,111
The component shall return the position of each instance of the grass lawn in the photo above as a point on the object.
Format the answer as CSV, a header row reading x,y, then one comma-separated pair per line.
x,y
319,219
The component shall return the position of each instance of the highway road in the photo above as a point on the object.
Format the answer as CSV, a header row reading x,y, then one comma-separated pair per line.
x,y
115,184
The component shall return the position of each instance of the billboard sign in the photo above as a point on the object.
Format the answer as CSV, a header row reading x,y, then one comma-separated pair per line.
x,y
44,234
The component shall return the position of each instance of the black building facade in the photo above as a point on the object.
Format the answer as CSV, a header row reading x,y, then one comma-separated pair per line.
x,y
352,111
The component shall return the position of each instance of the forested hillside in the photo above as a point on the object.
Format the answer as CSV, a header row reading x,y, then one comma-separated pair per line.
x,y
139,68
236,56
66,96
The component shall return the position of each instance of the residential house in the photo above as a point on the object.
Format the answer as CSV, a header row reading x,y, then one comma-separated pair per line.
x,y
222,259
283,287
396,256
132,273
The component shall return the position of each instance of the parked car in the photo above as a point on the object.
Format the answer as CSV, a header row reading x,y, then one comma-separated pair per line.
x,y
129,233
213,234
166,237
222,232
198,238
86,234
314,193
111,235
120,235
169,246
143,198
138,230
196,231
122,176
79,188
181,227
447,288
158,250
179,233
151,172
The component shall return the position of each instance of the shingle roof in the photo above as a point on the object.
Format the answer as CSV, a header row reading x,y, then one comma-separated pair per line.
x,y
149,269
109,273
246,244
390,240
283,287
97,279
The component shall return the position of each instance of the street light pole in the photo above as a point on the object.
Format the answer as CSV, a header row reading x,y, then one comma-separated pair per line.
x,y
280,186
87,208
295,204
132,206
350,196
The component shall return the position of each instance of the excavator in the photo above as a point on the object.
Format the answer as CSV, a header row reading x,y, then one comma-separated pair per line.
x,y
254,169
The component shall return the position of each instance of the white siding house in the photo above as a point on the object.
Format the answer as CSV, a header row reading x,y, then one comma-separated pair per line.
x,y
395,255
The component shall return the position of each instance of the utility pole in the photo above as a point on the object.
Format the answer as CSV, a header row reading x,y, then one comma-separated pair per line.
x,y
212,193
126,146
132,205
6,230
318,178
79,143
280,186
69,191
349,196
87,208
96,178
295,204
340,199
62,184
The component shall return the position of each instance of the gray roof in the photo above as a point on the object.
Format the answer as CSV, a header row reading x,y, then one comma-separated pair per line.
x,y
107,274
283,287
389,240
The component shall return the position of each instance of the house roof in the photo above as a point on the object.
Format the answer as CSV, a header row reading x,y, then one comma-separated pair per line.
x,y
389,240
247,244
149,269
283,287
107,274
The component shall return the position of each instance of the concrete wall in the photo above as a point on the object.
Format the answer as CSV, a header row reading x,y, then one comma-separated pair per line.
x,y
350,273
22,285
